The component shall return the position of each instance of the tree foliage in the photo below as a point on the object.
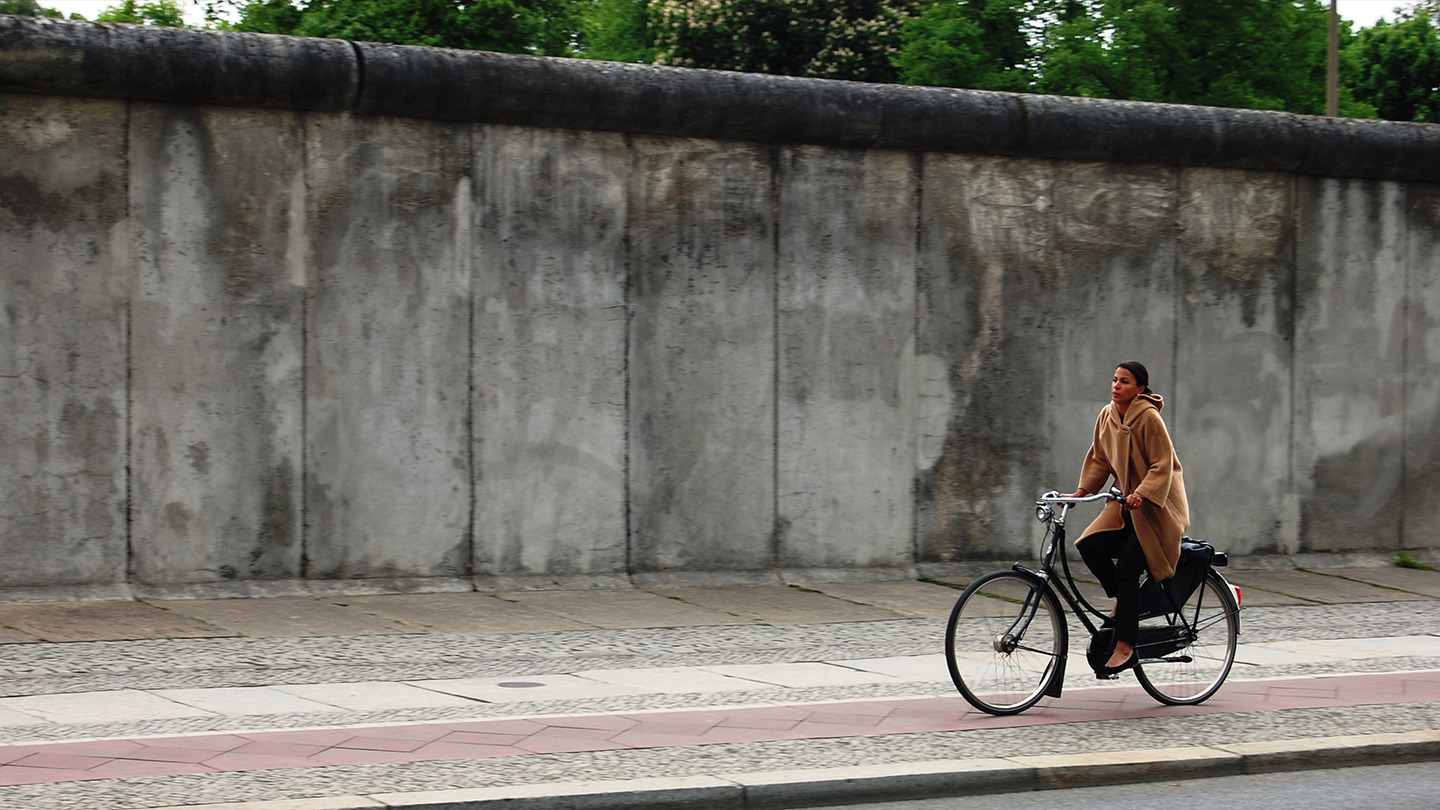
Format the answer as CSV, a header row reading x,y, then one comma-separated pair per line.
x,y
27,8
618,31
546,27
1398,68
1260,54
162,12
838,39
970,43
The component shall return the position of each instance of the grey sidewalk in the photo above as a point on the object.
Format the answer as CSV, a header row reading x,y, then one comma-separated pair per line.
x,y
885,637
540,611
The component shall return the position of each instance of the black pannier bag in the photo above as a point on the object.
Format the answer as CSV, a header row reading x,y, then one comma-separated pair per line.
x,y
1196,557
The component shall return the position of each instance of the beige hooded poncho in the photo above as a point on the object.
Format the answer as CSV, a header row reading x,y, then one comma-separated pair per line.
x,y
1137,452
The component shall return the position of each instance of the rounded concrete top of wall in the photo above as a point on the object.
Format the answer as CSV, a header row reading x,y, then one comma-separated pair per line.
x,y
39,55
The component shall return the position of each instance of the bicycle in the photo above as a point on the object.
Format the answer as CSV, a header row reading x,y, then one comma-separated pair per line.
x,y
1007,639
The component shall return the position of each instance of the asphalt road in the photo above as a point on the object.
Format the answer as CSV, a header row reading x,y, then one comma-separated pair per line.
x,y
1414,786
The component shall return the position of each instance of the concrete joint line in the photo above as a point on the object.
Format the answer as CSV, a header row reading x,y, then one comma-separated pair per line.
x,y
792,789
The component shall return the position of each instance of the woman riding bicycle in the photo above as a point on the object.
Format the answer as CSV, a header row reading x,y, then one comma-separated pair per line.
x,y
1132,445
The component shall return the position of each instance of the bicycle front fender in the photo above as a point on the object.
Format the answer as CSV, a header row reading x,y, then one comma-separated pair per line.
x,y
1057,684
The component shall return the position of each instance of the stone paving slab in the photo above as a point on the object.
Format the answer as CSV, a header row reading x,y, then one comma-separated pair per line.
x,y
920,668
12,718
101,621
374,696
243,701
1261,655
1425,583
283,617
801,675
127,704
9,635
1258,597
526,688
1358,649
779,604
905,597
469,613
1317,587
616,609
671,680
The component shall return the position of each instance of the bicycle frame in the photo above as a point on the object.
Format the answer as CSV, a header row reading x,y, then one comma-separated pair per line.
x,y
1070,594
1054,538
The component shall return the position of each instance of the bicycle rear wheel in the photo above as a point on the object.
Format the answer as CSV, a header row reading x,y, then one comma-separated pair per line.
x,y
1186,674
1004,642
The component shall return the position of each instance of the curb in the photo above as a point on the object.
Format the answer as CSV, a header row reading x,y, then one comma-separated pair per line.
x,y
791,789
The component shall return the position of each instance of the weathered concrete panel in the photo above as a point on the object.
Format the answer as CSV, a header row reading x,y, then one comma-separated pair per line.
x,y
846,309
216,442
702,357
1349,357
1106,296
1422,369
62,341
388,349
550,331
985,241
1037,279
1236,321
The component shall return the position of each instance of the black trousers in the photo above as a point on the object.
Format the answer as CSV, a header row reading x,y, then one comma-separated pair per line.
x,y
1117,560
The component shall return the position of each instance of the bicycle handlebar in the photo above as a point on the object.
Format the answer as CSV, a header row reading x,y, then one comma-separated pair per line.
x,y
1054,496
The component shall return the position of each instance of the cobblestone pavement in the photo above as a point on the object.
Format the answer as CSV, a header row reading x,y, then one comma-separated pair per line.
x,y
149,665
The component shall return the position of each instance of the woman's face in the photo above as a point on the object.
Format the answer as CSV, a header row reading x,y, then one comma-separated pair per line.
x,y
1123,388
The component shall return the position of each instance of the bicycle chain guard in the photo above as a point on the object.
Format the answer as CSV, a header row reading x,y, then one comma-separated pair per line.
x,y
1150,642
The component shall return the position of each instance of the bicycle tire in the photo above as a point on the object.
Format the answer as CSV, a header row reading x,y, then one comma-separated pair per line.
x,y
997,669
1192,673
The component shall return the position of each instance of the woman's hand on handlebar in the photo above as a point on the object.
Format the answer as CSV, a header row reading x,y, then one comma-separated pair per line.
x,y
1131,502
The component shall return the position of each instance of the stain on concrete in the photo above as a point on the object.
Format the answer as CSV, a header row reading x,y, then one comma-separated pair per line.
x,y
1369,516
1239,226
92,433
177,517
199,455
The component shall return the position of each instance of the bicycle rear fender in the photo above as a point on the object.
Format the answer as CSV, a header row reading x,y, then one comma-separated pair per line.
x,y
1057,684
1226,587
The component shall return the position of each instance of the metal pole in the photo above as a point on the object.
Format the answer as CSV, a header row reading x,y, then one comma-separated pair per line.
x,y
1332,67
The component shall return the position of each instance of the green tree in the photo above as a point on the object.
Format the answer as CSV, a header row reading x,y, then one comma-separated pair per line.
x,y
984,44
547,27
165,13
1397,68
264,17
618,31
833,39
1258,54
27,8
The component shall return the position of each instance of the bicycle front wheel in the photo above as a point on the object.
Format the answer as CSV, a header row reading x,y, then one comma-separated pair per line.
x,y
1004,642
1186,674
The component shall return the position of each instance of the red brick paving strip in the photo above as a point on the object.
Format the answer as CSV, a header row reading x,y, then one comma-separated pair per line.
x,y
33,763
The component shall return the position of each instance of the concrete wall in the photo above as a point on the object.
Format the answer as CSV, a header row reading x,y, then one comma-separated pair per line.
x,y
346,339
